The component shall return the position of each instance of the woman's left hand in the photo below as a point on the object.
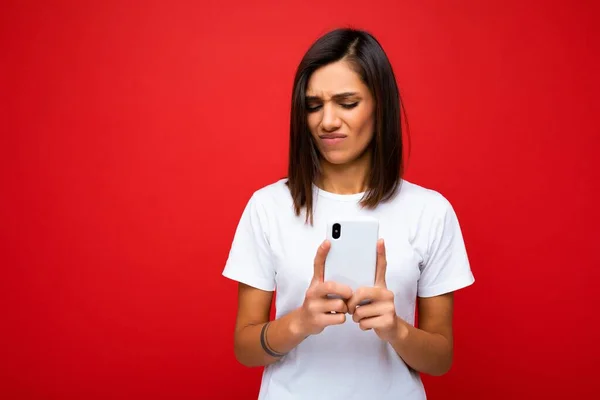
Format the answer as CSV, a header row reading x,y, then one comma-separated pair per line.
x,y
379,313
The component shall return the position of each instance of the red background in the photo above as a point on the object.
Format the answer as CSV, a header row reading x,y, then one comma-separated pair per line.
x,y
133,133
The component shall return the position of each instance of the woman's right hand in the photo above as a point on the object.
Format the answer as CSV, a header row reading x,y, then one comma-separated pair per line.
x,y
315,314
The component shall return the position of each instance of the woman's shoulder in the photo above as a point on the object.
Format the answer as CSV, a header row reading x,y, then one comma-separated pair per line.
x,y
272,194
423,201
276,190
418,194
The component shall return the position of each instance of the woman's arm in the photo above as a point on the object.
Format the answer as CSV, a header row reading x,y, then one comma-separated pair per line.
x,y
282,335
428,348
260,342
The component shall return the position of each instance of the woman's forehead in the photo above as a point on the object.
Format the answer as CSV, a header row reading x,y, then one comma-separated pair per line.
x,y
333,79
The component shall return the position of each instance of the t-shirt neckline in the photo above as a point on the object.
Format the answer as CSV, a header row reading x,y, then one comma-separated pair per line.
x,y
337,196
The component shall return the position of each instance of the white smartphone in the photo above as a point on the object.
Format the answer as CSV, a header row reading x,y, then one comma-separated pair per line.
x,y
352,257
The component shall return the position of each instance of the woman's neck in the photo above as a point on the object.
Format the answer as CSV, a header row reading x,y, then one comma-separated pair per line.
x,y
350,178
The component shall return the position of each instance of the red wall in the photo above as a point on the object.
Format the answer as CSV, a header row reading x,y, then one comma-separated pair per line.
x,y
126,159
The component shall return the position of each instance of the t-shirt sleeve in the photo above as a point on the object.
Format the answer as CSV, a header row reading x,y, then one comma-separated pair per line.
x,y
249,259
446,267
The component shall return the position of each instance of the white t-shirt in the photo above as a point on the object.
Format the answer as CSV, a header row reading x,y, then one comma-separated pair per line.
x,y
273,249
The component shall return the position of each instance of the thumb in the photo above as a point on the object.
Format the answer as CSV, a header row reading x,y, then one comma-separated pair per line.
x,y
381,266
319,263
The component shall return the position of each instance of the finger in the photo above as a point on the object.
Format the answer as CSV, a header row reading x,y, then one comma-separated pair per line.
x,y
337,305
362,294
335,289
319,262
333,319
372,323
381,265
372,310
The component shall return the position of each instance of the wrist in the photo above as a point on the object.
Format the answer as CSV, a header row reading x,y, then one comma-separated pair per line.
x,y
401,332
296,325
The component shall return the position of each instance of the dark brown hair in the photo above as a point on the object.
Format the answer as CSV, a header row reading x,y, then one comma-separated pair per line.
x,y
364,53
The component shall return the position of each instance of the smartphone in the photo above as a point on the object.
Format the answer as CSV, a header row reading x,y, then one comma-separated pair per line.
x,y
352,257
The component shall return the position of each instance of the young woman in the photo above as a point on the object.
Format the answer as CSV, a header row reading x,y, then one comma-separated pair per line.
x,y
345,160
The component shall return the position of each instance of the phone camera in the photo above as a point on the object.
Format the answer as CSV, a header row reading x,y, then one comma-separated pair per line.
x,y
337,231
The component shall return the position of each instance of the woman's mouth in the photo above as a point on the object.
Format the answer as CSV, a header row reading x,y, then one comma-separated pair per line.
x,y
332,139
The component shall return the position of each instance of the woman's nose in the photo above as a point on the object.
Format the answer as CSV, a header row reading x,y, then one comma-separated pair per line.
x,y
330,121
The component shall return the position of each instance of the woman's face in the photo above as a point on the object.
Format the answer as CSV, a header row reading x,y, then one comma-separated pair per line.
x,y
340,113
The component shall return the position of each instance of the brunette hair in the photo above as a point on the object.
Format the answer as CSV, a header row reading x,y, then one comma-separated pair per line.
x,y
366,56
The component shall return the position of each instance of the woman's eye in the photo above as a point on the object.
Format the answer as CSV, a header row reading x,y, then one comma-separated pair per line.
x,y
313,108
350,105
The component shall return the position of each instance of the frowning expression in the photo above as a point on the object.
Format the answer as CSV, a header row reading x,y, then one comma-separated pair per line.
x,y
340,112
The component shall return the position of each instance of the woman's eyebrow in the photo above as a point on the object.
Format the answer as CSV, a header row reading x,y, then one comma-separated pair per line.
x,y
337,96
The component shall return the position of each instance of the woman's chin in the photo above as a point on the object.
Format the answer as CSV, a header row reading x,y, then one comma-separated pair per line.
x,y
339,158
